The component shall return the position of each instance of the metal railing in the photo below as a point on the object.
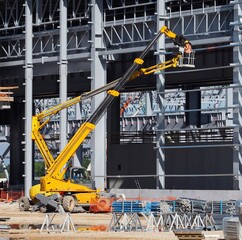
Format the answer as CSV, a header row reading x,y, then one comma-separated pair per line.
x,y
127,137
181,136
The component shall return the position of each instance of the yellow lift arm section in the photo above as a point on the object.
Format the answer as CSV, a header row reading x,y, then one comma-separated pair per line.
x,y
53,180
41,119
38,121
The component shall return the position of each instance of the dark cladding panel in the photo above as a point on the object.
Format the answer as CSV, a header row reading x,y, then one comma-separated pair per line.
x,y
213,160
5,117
131,159
16,138
214,69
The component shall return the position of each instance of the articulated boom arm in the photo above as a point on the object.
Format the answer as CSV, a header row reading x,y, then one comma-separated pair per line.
x,y
161,66
179,40
37,125
55,172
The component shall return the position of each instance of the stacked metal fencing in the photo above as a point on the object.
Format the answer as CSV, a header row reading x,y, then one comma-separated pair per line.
x,y
131,206
164,215
201,206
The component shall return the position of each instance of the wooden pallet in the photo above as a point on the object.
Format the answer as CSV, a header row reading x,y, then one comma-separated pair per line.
x,y
192,234
5,94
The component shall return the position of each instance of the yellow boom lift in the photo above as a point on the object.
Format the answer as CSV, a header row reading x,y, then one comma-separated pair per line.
x,y
72,195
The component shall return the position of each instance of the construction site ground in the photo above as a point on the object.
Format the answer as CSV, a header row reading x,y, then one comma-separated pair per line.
x,y
26,225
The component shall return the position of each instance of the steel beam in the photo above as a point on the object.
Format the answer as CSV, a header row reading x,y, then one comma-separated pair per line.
x,y
237,98
160,86
63,71
98,79
28,97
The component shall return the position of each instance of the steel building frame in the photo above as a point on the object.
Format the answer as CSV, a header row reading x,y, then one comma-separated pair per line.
x,y
36,32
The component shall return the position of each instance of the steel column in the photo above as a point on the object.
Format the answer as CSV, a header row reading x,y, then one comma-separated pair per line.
x,y
98,79
28,96
63,71
39,13
160,86
237,97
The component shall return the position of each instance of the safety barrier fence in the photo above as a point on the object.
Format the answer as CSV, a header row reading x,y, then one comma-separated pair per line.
x,y
10,195
101,205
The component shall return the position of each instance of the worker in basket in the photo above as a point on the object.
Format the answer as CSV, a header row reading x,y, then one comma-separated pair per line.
x,y
188,47
180,40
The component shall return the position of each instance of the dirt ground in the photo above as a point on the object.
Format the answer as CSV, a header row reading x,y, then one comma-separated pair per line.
x,y
27,225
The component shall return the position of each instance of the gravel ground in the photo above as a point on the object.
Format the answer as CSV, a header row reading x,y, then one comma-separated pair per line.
x,y
26,225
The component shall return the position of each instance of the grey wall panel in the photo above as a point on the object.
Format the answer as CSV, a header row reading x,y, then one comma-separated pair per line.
x,y
131,159
217,160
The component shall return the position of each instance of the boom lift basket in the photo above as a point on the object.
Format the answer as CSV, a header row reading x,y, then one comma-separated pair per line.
x,y
187,59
